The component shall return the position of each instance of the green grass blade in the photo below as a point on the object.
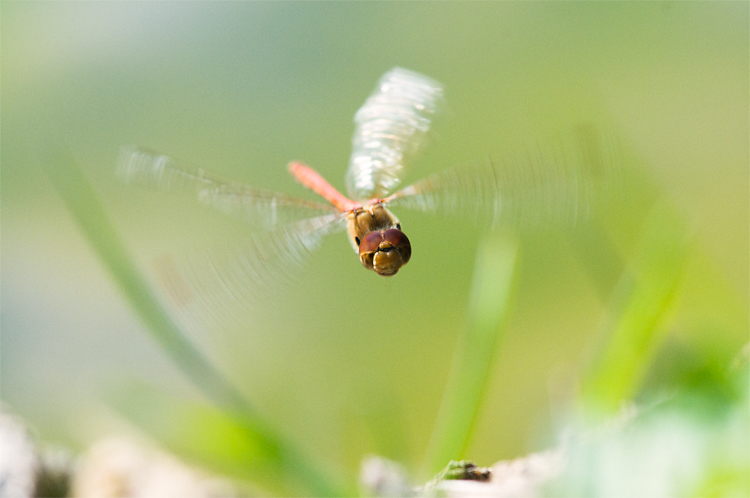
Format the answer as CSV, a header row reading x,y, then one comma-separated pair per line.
x,y
203,434
214,439
489,310
88,212
643,299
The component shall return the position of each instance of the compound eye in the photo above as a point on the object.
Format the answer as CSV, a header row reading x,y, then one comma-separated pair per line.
x,y
371,242
385,252
400,243
368,247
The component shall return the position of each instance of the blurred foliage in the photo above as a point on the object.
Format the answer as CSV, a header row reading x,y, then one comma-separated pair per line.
x,y
489,312
641,302
233,439
693,443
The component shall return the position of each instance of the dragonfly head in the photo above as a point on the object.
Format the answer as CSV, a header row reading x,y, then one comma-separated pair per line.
x,y
385,251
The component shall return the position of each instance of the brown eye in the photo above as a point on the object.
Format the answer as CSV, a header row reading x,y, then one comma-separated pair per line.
x,y
371,242
385,251
368,247
400,242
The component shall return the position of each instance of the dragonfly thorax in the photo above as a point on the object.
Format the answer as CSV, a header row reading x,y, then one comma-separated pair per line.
x,y
375,234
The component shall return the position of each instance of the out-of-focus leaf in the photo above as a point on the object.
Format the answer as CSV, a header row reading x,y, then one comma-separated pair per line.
x,y
671,449
489,308
88,212
267,446
642,301
207,436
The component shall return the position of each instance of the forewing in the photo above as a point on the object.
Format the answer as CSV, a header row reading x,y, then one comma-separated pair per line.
x,y
391,126
558,181
225,287
261,208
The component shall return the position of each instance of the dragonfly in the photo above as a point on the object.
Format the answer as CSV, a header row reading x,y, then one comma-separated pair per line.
x,y
553,180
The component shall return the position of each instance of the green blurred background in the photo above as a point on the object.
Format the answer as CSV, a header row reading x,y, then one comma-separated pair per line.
x,y
346,363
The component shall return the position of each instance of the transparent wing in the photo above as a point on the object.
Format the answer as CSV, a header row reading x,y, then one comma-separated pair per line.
x,y
390,127
555,181
261,208
224,287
